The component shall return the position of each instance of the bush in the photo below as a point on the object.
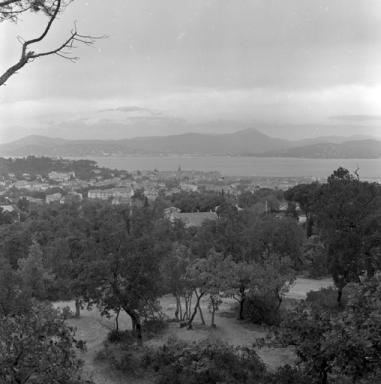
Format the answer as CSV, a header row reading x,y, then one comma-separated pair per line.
x,y
326,299
262,310
154,327
204,363
126,337
67,313
287,375
127,360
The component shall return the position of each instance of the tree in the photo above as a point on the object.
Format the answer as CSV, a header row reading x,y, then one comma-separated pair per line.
x,y
33,274
10,10
12,299
304,195
276,278
342,347
122,269
173,270
349,217
38,347
241,279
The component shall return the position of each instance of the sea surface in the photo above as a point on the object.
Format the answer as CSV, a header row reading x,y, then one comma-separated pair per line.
x,y
369,169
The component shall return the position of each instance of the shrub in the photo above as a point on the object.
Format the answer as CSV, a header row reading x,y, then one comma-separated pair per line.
x,y
130,361
326,299
262,310
67,313
126,337
153,327
204,363
287,375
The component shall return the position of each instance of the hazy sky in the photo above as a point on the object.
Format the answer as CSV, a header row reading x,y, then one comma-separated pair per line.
x,y
170,66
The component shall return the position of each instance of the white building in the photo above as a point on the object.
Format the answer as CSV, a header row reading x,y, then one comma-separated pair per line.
x,y
105,194
53,197
61,176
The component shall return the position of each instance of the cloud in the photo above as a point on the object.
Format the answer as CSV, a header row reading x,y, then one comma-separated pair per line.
x,y
132,109
356,118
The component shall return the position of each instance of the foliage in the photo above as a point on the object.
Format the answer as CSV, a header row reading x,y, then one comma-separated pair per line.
x,y
153,327
33,274
326,299
117,336
344,207
195,201
262,309
204,363
305,196
13,300
42,166
315,257
341,347
37,347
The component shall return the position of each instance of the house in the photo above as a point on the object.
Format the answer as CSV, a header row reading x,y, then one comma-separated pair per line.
x,y
120,200
188,187
106,194
61,176
151,194
7,208
33,200
53,197
22,184
71,197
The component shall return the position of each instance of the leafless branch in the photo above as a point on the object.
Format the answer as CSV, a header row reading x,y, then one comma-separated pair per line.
x,y
63,50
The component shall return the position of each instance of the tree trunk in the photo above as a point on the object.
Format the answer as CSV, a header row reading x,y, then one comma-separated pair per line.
x,y
136,326
185,317
117,320
195,310
180,309
280,299
309,225
201,315
242,298
212,323
241,302
178,312
139,334
339,297
323,373
77,307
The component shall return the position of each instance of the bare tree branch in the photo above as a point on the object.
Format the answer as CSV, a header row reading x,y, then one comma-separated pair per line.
x,y
52,10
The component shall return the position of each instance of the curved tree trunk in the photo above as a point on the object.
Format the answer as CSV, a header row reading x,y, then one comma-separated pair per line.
x,y
201,315
136,326
340,296
117,320
77,307
212,323
242,297
178,308
196,307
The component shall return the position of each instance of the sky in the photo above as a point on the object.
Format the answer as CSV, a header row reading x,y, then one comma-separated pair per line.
x,y
291,68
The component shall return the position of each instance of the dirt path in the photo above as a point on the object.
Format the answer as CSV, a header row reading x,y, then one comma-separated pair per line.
x,y
92,328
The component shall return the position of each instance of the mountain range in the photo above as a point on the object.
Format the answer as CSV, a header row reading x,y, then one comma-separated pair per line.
x,y
247,142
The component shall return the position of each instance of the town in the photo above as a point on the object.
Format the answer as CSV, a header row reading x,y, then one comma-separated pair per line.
x,y
65,181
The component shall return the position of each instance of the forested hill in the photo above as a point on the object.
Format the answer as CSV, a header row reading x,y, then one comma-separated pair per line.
x,y
247,142
358,149
43,165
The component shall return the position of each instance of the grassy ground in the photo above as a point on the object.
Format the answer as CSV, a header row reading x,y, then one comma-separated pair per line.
x,y
93,328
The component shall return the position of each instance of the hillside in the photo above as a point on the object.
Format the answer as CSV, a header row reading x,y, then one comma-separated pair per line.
x,y
248,142
357,149
242,142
